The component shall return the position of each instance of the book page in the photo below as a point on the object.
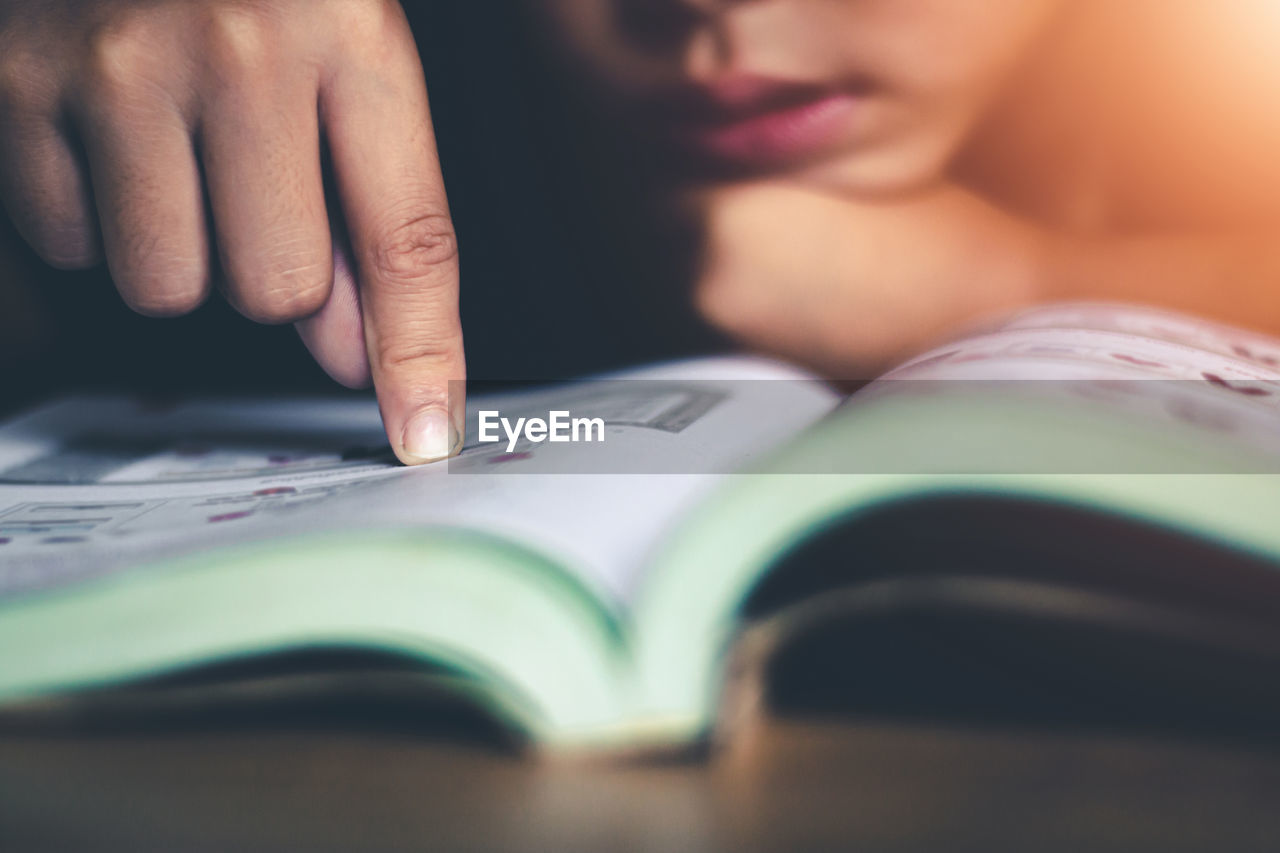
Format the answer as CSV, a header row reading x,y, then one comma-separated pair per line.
x,y
1161,368
91,487
1103,341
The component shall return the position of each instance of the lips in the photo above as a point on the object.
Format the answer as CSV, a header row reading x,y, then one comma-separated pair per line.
x,y
761,122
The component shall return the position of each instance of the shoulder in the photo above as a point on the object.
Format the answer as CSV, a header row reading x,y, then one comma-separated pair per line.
x,y
1142,114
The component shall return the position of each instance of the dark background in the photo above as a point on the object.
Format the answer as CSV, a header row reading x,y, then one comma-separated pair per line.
x,y
565,271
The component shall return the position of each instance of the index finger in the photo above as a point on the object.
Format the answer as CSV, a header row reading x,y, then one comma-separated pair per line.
x,y
378,126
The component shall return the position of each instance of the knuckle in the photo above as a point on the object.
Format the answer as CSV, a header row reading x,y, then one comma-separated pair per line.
x,y
285,286
415,247
120,56
237,42
282,303
158,282
366,25
66,249
169,302
427,351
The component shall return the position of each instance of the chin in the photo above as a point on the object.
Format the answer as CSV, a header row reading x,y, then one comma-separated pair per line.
x,y
874,177
891,167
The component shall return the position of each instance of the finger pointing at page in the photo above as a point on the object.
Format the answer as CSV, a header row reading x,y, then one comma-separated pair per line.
x,y
378,125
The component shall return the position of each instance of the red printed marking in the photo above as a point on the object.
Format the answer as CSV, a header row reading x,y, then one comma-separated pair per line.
x,y
1245,352
1141,362
280,490
1247,390
230,516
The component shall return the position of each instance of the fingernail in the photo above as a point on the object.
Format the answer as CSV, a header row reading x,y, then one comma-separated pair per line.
x,y
430,436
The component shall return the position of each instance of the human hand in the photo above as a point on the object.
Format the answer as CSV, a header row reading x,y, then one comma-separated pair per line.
x,y
163,133
852,286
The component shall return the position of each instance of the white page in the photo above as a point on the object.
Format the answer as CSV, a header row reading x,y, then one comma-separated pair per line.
x,y
1155,367
1103,341
90,487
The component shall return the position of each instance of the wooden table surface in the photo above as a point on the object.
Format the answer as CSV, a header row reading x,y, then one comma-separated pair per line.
x,y
782,785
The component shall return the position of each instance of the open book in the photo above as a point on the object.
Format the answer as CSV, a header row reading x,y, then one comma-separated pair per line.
x,y
589,591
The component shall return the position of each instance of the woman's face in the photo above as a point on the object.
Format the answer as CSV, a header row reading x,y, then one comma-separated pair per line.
x,y
861,95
